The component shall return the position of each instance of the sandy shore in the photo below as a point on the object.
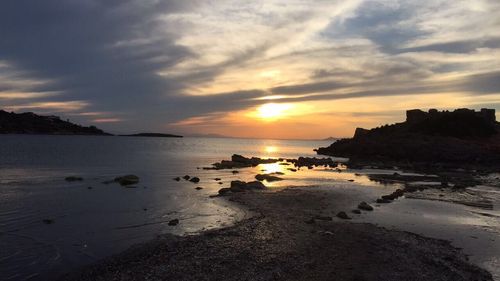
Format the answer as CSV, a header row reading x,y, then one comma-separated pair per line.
x,y
283,241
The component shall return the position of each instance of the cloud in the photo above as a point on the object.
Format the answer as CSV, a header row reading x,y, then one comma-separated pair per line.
x,y
149,63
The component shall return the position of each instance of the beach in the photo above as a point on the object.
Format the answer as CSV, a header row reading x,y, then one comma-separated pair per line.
x,y
293,235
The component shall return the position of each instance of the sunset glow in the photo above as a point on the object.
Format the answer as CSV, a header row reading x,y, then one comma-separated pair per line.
x,y
272,69
272,111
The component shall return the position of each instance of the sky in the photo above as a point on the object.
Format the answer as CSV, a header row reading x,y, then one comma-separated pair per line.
x,y
261,69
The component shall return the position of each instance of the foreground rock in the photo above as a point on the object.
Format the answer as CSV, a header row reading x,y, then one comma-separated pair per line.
x,y
73,178
278,245
461,137
127,180
365,206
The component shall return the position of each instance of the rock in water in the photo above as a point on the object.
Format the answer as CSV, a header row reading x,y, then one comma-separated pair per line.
x,y
173,222
195,179
267,177
177,179
186,177
343,216
383,201
48,221
237,186
127,180
365,206
73,178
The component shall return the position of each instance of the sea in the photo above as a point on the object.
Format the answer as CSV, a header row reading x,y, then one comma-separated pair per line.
x,y
50,226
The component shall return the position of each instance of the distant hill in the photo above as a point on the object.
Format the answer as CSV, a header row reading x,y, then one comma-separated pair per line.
x,y
460,136
156,135
31,123
208,136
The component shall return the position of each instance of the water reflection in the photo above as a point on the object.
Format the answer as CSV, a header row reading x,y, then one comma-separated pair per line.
x,y
270,149
272,168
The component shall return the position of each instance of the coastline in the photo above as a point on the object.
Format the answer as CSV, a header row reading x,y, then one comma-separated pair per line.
x,y
281,242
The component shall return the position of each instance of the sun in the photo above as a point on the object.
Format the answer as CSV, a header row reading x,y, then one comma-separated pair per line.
x,y
272,111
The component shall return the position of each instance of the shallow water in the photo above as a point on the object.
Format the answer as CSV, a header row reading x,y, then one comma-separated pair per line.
x,y
90,224
92,220
473,229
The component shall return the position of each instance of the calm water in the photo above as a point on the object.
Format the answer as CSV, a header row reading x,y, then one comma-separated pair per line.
x,y
89,224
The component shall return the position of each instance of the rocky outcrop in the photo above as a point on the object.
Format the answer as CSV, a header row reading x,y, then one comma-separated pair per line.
x,y
460,136
31,123
238,161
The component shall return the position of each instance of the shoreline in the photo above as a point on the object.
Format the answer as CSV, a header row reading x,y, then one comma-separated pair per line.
x,y
281,242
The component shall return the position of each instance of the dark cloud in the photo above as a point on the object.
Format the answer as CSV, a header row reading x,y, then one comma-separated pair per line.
x,y
463,46
379,22
307,88
484,83
106,52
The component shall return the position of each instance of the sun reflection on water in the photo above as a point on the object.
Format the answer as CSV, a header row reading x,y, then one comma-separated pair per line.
x,y
272,168
270,149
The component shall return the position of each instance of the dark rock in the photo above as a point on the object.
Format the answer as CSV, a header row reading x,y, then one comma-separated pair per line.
x,y
365,206
238,186
313,161
127,180
89,187
238,161
177,179
217,179
186,177
323,218
173,222
73,178
224,191
48,221
235,172
350,180
461,136
199,188
356,211
310,221
343,216
383,201
292,169
195,180
267,177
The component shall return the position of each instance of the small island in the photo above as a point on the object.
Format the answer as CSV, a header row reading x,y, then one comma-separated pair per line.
x,y
31,123
154,135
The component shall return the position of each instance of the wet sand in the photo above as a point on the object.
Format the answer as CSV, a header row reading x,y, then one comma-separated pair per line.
x,y
294,235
